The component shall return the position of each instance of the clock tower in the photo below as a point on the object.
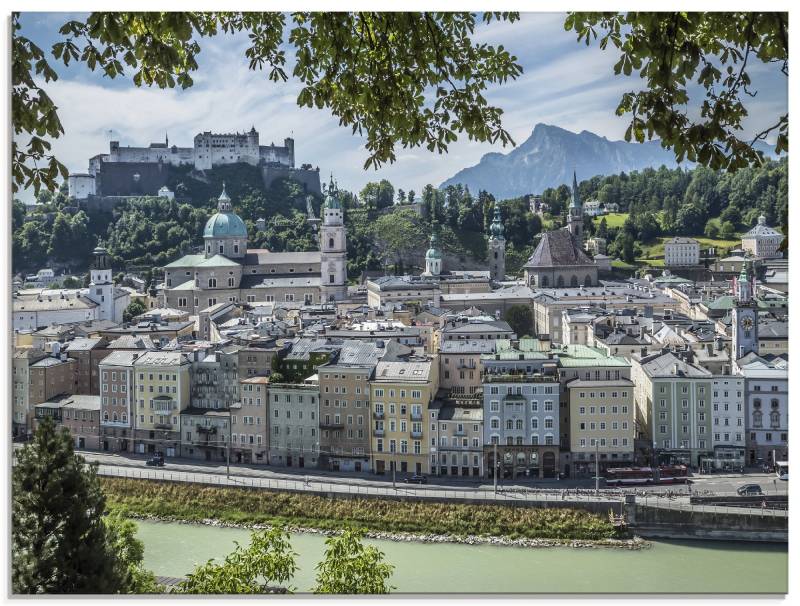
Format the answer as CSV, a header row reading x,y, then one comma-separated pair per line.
x,y
744,315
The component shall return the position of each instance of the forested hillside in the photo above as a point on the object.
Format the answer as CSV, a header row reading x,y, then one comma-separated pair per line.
x,y
389,228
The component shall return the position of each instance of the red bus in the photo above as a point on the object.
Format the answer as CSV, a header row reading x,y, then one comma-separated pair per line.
x,y
629,476
672,474
637,476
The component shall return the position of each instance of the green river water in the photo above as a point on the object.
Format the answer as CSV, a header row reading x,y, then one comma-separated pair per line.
x,y
172,549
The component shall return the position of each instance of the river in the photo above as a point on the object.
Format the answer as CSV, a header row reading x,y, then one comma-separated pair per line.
x,y
172,549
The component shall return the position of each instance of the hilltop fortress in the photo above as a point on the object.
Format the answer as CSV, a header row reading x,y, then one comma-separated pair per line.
x,y
137,171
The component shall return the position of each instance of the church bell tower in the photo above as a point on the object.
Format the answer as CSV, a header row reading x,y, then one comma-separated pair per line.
x,y
744,315
575,220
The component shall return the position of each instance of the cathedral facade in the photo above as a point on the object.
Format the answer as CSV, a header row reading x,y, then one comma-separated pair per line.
x,y
228,271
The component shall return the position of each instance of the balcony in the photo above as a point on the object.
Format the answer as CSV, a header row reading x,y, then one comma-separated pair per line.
x,y
378,415
379,433
416,416
416,434
206,430
331,424
167,426
460,432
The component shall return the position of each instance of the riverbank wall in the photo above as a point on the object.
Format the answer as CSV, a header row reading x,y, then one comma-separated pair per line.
x,y
713,523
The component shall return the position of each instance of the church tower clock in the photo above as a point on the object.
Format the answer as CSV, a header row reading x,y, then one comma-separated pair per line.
x,y
744,315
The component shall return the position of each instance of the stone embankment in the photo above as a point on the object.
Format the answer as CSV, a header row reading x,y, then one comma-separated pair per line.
x,y
408,537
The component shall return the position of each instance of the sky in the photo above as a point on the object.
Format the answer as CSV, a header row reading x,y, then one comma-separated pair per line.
x,y
564,83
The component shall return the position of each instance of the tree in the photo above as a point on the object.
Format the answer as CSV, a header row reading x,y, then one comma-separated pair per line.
x,y
712,229
135,308
401,196
130,555
377,195
419,92
520,318
268,560
602,229
680,50
727,231
352,568
59,542
398,235
411,195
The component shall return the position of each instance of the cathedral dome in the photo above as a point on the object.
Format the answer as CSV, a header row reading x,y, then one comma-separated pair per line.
x,y
433,251
225,225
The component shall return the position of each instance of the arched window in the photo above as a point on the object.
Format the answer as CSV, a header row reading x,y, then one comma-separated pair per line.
x,y
115,417
231,282
519,423
330,242
560,282
573,281
105,416
212,282
587,281
545,282
124,418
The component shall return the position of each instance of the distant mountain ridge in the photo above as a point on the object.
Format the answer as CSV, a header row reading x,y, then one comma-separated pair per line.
x,y
548,157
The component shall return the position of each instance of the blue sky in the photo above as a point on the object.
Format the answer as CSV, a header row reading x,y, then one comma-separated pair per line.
x,y
564,83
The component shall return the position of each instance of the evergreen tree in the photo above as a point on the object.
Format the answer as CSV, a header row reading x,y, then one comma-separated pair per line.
x,y
520,318
59,542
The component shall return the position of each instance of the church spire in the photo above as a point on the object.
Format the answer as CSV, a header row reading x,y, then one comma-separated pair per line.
x,y
576,195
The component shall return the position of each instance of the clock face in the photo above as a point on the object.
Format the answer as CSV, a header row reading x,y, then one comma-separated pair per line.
x,y
747,323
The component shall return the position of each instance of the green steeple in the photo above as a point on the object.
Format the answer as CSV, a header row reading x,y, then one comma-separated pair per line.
x,y
496,229
332,199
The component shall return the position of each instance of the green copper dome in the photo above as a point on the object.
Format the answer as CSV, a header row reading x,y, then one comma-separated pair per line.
x,y
433,251
225,223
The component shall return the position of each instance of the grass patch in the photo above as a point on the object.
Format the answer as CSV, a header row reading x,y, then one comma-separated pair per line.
x,y
193,502
612,219
620,264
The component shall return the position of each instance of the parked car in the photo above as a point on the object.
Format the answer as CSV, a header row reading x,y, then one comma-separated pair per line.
x,y
749,490
416,479
156,461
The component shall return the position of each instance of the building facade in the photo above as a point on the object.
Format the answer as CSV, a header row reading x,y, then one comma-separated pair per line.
x,y
521,425
401,394
602,425
763,241
117,398
294,424
681,251
162,393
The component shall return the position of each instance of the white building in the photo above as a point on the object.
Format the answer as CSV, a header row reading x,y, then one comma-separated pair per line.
x,y
36,308
209,150
762,241
727,421
680,251
766,408
333,248
81,186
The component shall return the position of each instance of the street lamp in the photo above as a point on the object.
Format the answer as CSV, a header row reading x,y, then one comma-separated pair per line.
x,y
596,466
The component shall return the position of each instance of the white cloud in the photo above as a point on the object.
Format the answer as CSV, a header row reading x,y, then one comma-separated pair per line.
x,y
564,83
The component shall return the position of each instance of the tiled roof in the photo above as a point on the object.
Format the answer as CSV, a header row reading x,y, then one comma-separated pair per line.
x,y
557,248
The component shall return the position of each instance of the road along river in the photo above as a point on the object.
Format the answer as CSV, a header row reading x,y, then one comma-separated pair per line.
x,y
172,549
